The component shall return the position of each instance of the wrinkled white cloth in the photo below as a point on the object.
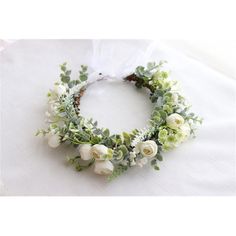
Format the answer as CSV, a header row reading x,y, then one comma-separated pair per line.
x,y
28,68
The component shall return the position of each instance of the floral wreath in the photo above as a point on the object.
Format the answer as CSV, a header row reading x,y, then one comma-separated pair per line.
x,y
170,123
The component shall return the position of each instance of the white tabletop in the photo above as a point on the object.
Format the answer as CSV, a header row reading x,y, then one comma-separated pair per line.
x,y
28,68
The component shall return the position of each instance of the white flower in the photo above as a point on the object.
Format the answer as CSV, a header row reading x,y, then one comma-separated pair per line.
x,y
98,151
142,162
60,89
185,130
175,98
85,151
103,167
132,155
132,163
174,121
148,148
53,140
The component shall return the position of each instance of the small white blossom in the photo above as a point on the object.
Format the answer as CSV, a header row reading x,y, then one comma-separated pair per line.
x,y
175,98
185,130
142,162
133,163
60,89
53,140
132,155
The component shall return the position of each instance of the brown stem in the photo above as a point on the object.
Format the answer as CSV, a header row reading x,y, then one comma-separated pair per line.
x,y
135,78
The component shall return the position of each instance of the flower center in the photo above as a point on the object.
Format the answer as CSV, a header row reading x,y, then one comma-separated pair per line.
x,y
95,155
147,151
178,122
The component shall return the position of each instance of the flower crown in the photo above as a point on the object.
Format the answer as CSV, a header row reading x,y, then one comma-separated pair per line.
x,y
170,123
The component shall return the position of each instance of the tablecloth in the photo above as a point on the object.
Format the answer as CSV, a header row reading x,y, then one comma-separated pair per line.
x,y
201,166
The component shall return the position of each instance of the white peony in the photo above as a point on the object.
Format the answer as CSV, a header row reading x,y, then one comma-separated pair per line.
x,y
98,151
53,140
103,167
148,148
85,151
174,121
185,130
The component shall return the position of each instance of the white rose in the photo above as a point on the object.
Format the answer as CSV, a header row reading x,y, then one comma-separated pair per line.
x,y
185,130
85,151
148,148
103,167
174,121
60,89
98,151
53,140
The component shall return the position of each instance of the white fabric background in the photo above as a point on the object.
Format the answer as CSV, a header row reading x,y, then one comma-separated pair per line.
x,y
203,166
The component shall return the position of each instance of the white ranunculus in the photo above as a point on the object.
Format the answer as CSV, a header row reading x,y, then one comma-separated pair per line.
x,y
60,89
185,130
85,151
53,140
103,167
148,148
98,151
174,121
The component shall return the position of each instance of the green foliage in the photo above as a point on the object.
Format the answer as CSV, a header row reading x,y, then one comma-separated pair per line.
x,y
120,169
152,67
65,74
83,75
79,164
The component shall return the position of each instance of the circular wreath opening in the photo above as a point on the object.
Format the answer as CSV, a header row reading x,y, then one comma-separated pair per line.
x,y
116,104
170,124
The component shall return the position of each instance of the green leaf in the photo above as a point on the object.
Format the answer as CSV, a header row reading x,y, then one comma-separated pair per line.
x,y
124,150
153,162
65,78
163,114
151,65
118,155
127,138
106,133
63,67
83,73
68,72
159,157
156,168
